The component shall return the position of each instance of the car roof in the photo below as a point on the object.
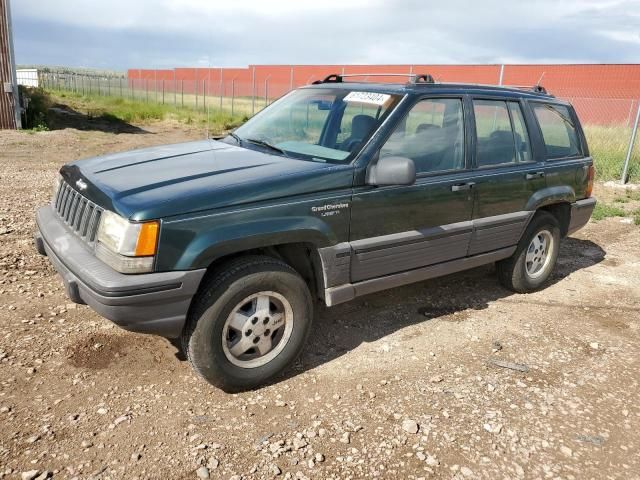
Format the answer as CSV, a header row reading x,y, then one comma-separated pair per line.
x,y
439,88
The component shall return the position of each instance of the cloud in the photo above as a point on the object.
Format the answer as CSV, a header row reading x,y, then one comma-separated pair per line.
x,y
163,33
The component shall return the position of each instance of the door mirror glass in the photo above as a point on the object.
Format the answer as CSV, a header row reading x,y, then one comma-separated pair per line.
x,y
392,170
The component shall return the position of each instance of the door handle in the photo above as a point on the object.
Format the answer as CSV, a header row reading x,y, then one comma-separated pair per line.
x,y
462,186
532,175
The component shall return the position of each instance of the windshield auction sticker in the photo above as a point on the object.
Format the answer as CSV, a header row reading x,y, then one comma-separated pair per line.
x,y
367,97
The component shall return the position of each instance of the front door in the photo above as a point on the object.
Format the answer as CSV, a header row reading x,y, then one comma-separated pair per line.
x,y
399,228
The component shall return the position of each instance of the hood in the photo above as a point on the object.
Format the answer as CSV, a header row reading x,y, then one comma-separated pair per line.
x,y
176,179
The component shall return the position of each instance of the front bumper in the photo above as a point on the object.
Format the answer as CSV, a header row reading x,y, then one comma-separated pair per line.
x,y
580,214
149,303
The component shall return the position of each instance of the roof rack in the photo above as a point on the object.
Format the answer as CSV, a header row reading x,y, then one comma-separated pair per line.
x,y
414,78
423,79
532,88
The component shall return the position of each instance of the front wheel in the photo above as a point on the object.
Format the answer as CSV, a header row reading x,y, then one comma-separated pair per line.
x,y
535,257
249,322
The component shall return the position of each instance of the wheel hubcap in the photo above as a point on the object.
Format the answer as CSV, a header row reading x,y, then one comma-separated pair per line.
x,y
539,254
257,329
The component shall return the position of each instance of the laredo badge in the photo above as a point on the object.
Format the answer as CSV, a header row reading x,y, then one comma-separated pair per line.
x,y
329,209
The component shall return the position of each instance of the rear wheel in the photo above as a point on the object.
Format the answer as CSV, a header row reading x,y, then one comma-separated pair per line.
x,y
249,322
535,257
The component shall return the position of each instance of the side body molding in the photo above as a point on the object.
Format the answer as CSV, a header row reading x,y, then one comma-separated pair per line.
x,y
359,267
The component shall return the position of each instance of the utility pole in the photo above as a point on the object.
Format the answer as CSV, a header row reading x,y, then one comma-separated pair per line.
x,y
10,111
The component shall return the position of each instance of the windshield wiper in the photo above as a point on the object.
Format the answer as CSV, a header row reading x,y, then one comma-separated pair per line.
x,y
270,146
236,138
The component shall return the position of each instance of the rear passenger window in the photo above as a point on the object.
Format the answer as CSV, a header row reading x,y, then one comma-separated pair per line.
x,y
558,131
495,143
432,135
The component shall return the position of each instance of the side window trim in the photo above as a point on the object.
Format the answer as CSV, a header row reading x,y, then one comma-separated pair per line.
x,y
547,157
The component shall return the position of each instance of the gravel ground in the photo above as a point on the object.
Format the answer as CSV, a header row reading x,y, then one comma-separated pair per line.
x,y
450,378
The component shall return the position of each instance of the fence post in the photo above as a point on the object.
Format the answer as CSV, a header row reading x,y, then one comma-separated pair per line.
x,y
163,91
182,92
195,88
266,91
501,74
233,94
221,89
253,92
120,82
632,141
146,87
630,113
291,78
204,95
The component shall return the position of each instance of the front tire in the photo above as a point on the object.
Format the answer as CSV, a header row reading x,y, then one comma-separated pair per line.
x,y
535,257
248,323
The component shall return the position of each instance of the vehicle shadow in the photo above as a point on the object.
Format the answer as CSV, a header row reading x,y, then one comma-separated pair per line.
x,y
62,116
342,328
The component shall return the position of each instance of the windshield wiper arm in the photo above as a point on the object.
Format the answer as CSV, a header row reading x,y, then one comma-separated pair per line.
x,y
270,146
236,138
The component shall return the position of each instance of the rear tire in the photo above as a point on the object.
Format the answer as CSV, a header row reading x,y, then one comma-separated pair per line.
x,y
535,257
248,323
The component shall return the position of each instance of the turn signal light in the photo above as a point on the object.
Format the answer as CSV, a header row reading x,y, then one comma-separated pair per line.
x,y
591,175
147,239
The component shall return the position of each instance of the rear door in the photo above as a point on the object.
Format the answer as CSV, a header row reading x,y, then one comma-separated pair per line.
x,y
566,153
399,228
507,173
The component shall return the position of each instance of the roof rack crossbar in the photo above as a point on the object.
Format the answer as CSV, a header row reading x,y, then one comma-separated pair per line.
x,y
533,88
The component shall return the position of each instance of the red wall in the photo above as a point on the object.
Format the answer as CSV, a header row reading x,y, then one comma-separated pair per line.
x,y
600,93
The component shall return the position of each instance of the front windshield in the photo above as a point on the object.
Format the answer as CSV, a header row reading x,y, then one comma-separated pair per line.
x,y
321,124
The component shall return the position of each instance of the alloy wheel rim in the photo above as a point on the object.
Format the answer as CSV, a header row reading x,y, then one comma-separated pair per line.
x,y
539,253
257,329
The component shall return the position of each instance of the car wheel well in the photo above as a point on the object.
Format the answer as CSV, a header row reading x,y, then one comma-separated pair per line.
x,y
562,213
302,257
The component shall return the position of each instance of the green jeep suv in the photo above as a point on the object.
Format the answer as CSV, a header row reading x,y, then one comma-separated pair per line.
x,y
337,190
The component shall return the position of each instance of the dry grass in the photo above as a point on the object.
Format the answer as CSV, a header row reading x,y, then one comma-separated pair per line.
x,y
608,146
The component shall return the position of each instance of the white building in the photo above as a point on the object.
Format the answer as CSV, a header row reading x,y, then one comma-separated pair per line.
x,y
27,77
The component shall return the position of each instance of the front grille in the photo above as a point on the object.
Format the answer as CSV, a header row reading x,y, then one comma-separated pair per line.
x,y
81,215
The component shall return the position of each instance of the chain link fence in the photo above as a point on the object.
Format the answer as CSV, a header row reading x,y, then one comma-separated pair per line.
x,y
610,123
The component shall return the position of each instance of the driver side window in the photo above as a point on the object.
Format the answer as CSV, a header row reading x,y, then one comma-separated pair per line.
x,y
432,135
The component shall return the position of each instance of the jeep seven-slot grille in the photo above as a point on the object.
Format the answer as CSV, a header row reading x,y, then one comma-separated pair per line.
x,y
80,214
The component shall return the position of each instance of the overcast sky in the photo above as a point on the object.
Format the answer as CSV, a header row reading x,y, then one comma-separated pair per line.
x,y
117,34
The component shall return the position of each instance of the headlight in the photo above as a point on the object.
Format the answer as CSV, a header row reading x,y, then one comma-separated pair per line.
x,y
127,247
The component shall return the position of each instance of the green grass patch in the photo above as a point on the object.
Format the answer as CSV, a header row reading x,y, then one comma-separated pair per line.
x,y
608,146
37,100
605,210
140,112
636,216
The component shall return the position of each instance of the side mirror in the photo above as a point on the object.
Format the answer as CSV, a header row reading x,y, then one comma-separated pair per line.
x,y
392,171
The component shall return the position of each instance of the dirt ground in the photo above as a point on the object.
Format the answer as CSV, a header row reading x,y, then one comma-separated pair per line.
x,y
80,398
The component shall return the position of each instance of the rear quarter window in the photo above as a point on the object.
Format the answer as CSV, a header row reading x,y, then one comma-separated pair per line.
x,y
558,131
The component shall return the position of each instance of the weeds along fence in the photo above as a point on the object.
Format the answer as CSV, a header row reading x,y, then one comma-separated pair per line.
x,y
610,122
